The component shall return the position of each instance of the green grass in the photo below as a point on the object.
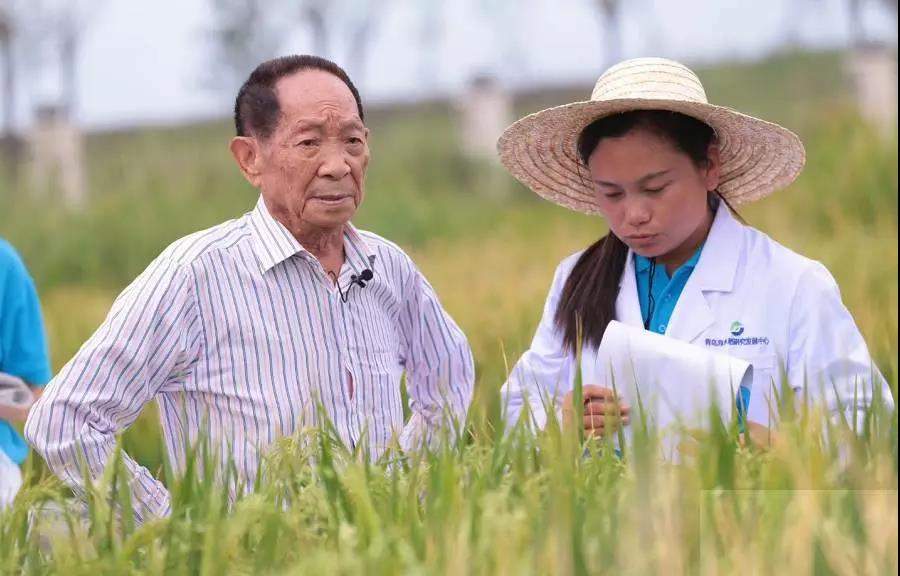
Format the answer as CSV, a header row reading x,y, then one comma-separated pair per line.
x,y
823,501
515,506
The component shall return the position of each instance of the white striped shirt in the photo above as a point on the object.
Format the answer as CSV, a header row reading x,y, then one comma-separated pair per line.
x,y
237,329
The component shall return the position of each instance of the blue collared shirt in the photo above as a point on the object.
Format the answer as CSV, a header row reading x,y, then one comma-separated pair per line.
x,y
666,291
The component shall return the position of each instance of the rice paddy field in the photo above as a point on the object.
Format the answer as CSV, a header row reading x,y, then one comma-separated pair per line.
x,y
821,501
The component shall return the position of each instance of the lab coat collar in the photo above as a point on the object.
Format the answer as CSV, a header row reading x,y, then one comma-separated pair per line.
x,y
717,267
715,272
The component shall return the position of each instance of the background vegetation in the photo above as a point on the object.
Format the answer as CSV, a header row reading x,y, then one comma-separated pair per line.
x,y
489,247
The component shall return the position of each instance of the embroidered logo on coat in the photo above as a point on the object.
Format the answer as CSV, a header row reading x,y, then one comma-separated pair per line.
x,y
737,338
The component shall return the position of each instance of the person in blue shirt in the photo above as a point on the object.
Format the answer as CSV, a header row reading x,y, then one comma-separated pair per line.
x,y
23,354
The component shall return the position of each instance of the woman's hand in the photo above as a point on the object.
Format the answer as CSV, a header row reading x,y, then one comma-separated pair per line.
x,y
758,435
604,412
755,434
14,414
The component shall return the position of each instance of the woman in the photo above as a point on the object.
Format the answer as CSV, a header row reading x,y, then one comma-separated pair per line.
x,y
665,168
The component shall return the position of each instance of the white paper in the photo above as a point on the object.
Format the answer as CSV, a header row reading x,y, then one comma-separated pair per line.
x,y
675,381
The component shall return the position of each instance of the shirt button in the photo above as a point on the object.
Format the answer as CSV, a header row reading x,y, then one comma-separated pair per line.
x,y
662,327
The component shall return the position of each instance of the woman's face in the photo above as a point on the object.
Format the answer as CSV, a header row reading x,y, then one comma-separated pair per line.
x,y
653,195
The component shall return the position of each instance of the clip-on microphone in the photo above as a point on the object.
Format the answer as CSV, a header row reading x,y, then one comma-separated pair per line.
x,y
358,280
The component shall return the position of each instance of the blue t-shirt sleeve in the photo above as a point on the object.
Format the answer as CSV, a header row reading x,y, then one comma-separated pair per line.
x,y
23,343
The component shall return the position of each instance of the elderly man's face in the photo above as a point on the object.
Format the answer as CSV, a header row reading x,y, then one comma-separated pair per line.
x,y
311,170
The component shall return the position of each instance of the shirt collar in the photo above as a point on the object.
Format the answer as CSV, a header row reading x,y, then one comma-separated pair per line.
x,y
359,253
642,264
274,244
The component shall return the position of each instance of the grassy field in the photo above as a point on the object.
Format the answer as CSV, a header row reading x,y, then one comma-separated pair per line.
x,y
516,506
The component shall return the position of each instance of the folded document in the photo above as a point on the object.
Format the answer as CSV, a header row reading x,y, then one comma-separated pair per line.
x,y
676,382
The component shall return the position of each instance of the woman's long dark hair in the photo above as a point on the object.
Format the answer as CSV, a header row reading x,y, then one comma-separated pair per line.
x,y
588,300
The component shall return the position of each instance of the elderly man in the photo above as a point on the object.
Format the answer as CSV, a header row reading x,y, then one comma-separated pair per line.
x,y
251,325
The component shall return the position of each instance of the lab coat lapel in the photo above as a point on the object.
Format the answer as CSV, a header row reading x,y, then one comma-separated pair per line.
x,y
715,272
628,307
692,314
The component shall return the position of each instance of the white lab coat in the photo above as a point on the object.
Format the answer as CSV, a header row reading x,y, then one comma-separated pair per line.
x,y
748,297
10,480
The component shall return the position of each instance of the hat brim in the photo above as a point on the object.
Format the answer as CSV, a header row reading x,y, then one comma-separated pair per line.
x,y
540,150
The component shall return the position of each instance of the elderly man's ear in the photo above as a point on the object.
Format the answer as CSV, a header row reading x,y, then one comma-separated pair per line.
x,y
246,152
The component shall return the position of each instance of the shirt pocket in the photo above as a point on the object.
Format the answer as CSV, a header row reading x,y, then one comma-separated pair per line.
x,y
764,368
765,384
375,357
763,363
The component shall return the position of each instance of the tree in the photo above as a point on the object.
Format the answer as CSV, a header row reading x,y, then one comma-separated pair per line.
x,y
503,18
244,33
429,32
51,32
856,23
22,32
797,10
16,27
362,19
7,34
315,14
611,29
70,22
351,22
247,32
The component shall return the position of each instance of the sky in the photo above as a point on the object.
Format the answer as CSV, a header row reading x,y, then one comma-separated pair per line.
x,y
151,62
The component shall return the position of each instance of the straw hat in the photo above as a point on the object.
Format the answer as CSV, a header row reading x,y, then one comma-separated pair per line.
x,y
757,157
